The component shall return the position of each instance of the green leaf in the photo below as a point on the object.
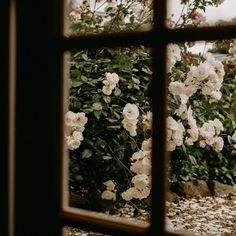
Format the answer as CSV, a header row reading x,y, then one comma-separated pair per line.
x,y
97,106
76,84
106,157
107,99
117,92
147,70
97,114
86,153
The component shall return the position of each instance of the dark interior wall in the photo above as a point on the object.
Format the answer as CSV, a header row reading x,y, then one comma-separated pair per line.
x,y
37,125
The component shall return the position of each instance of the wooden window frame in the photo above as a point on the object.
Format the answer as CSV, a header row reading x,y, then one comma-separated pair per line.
x,y
4,102
31,153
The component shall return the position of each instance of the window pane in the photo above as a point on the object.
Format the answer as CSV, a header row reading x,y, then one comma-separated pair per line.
x,y
192,13
201,137
108,131
107,16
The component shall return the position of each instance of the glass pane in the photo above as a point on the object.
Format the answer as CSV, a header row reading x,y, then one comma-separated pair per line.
x,y
195,13
201,137
107,127
107,16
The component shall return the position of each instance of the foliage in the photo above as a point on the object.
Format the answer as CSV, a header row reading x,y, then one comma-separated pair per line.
x,y
107,147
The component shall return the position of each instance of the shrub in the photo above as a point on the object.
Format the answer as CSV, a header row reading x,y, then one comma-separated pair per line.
x,y
109,118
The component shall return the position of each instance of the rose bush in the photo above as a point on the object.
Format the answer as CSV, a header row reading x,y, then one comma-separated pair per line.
x,y
109,119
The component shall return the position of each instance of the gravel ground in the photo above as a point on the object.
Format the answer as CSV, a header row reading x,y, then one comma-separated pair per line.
x,y
205,216
212,216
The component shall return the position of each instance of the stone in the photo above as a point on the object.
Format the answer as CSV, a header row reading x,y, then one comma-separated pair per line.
x,y
172,197
220,190
193,189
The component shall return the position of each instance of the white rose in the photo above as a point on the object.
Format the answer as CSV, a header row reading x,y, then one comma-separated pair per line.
x,y
218,143
173,51
107,90
144,193
218,125
172,123
78,135
110,185
184,98
177,137
191,89
207,130
147,145
176,88
140,181
194,133
202,71
81,119
181,111
190,79
72,143
129,194
142,166
215,95
112,78
202,143
108,195
130,111
70,118
137,156
130,126
171,145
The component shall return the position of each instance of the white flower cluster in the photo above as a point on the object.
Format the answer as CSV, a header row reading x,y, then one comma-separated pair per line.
x,y
192,133
110,192
78,8
173,55
130,114
74,127
141,166
207,77
111,79
209,133
175,133
232,49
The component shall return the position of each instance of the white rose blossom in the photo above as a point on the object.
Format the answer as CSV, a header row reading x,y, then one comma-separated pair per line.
x,y
110,185
74,126
175,132
177,88
108,195
173,55
141,166
110,82
209,132
110,192
130,111
130,114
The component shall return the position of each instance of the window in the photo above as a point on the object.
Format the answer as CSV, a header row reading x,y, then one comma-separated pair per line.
x,y
38,166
